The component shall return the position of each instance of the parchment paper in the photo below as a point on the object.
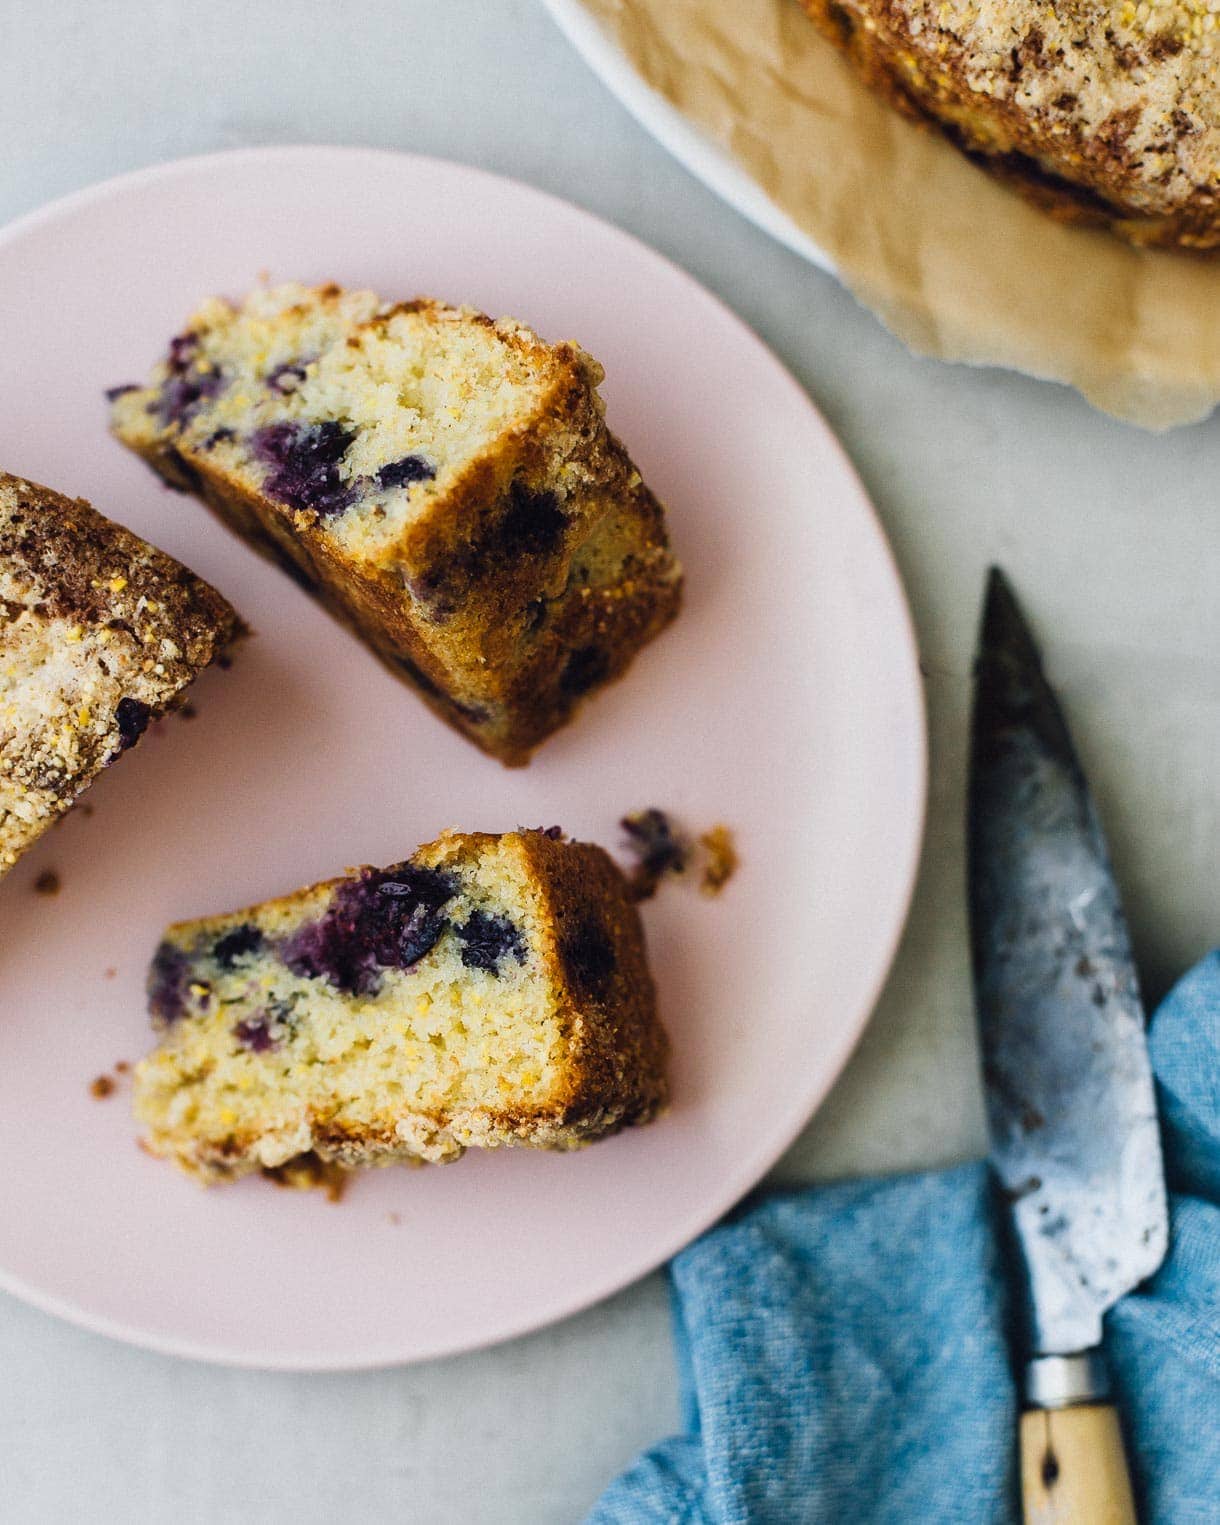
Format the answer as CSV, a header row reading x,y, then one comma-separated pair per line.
x,y
958,266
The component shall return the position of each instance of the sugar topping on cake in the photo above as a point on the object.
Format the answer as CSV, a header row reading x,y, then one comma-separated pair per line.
x,y
99,634
1107,111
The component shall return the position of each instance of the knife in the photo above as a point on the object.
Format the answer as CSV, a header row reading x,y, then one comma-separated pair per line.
x,y
1070,1103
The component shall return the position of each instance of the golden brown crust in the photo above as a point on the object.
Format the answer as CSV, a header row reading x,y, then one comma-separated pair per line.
x,y
139,627
619,1047
65,543
1093,127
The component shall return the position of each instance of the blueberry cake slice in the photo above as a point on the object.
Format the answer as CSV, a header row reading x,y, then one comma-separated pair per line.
x,y
444,482
99,633
491,990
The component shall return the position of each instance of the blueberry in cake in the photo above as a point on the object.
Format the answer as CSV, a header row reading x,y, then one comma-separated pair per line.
x,y
444,482
99,633
489,991
1100,111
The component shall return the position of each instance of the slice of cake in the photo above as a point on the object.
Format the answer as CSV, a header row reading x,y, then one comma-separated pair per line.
x,y
491,990
99,633
445,483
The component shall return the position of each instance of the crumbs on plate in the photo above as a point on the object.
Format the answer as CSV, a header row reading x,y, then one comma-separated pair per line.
x,y
308,1173
47,883
658,848
106,1085
721,859
661,849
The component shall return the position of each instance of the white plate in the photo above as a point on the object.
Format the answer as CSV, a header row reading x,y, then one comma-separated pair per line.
x,y
706,160
785,701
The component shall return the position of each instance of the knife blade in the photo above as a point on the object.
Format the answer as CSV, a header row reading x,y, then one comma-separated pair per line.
x,y
1070,1101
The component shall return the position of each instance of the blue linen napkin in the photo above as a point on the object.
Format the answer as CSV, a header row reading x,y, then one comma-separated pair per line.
x,y
843,1351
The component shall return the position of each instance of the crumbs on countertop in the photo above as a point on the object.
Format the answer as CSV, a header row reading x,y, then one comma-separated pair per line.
x,y
121,1066
721,859
109,974
47,883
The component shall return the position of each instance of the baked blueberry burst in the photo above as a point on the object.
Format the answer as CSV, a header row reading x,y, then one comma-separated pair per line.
x,y
490,990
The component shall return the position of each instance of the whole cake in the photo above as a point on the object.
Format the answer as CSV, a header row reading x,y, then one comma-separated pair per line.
x,y
99,633
1101,111
491,990
446,483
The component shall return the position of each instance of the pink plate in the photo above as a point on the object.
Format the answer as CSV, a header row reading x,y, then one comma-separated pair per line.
x,y
785,702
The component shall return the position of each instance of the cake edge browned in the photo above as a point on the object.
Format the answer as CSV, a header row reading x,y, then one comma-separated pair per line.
x,y
1072,177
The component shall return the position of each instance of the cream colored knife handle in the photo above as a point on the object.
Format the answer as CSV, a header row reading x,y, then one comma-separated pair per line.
x,y
1073,1469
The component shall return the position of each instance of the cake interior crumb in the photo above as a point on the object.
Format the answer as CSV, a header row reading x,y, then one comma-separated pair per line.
x,y
251,1034
101,1087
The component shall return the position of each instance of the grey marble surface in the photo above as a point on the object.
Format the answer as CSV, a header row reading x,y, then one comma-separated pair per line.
x,y
1110,534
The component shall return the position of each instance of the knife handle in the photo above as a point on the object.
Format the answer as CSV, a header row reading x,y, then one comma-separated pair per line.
x,y
1073,1469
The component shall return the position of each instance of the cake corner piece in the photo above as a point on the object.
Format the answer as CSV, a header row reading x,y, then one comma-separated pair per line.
x,y
492,990
443,482
100,633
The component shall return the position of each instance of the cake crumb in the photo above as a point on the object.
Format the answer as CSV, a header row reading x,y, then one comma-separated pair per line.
x,y
721,861
662,848
47,883
187,711
308,1173
109,974
121,1067
658,848
102,1087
